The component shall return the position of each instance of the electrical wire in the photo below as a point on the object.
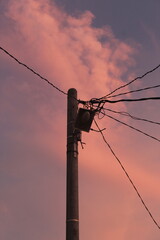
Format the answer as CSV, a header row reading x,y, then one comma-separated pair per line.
x,y
120,100
129,178
133,91
131,116
136,129
125,85
94,100
30,69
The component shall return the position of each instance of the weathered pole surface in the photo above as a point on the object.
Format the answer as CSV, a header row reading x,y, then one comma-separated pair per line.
x,y
72,211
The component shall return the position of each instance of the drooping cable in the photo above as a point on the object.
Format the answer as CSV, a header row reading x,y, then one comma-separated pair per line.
x,y
131,116
30,69
128,176
136,129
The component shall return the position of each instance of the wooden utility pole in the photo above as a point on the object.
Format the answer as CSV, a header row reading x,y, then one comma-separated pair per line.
x,y
72,215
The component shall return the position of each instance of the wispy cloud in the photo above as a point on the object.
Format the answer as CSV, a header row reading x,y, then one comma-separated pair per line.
x,y
70,52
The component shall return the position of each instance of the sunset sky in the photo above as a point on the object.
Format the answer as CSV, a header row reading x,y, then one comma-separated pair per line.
x,y
93,46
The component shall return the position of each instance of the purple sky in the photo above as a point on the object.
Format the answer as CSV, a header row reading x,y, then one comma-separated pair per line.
x,y
93,46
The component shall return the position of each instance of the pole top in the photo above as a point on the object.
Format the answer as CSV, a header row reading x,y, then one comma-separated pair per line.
x,y
72,91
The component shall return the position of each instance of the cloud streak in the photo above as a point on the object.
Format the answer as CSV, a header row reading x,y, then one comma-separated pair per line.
x,y
70,52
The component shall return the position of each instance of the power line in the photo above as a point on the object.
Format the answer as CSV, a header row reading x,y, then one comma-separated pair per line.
x,y
131,116
132,91
125,85
120,100
94,100
129,178
30,69
136,129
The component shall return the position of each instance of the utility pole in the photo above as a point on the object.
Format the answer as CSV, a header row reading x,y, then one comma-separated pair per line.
x,y
72,211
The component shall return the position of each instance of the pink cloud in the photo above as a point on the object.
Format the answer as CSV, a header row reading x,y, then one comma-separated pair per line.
x,y
60,41
70,52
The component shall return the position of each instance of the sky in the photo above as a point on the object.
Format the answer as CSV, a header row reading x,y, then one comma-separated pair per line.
x,y
95,47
